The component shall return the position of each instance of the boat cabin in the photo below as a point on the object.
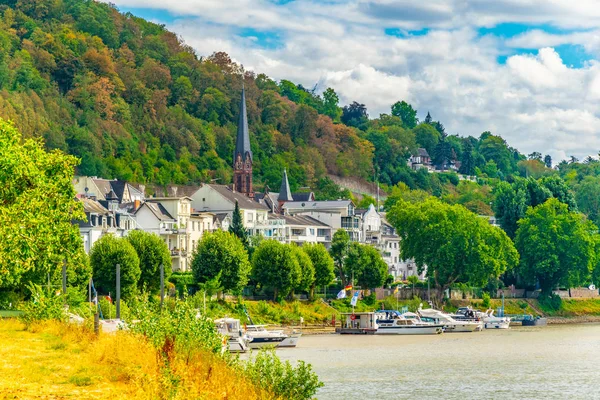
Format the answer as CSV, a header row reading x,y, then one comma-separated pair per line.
x,y
358,323
229,327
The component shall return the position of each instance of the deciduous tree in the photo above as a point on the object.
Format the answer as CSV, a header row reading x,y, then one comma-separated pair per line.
x,y
323,264
152,252
556,246
221,254
275,266
107,252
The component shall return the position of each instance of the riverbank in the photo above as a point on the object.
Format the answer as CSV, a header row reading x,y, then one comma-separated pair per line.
x,y
55,360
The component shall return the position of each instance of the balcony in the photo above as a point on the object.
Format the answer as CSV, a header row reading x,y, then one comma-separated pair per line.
x,y
178,253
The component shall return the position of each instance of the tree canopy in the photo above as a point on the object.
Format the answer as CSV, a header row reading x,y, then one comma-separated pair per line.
x,y
152,252
275,266
221,256
37,208
107,252
453,244
556,246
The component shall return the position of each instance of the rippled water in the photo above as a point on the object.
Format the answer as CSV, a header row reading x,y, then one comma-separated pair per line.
x,y
553,362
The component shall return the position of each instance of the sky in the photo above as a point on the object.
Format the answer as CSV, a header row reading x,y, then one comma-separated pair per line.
x,y
527,70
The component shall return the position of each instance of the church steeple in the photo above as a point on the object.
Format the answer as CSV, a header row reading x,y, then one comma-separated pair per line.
x,y
284,191
242,156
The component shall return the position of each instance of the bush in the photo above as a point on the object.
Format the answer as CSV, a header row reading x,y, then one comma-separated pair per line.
x,y
551,302
9,299
486,300
371,299
285,381
43,305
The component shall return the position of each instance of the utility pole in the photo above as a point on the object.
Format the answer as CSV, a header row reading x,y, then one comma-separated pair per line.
x,y
118,291
64,278
162,285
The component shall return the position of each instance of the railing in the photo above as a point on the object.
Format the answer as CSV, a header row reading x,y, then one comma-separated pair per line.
x,y
178,253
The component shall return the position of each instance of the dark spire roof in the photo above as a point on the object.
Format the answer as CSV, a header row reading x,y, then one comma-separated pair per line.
x,y
242,144
284,192
111,196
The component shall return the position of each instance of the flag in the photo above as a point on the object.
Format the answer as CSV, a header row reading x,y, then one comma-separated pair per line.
x,y
109,298
396,290
341,294
354,299
348,287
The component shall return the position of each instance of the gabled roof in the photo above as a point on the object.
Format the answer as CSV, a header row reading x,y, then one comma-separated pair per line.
x,y
303,196
317,205
158,210
303,220
284,191
421,152
92,206
242,144
243,201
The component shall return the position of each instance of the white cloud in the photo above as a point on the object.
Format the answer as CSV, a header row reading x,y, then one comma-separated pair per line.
x,y
535,101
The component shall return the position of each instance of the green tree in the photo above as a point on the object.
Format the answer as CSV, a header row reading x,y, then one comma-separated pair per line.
x,y
275,266
454,244
307,269
237,226
548,161
221,254
331,104
467,161
427,137
559,190
107,252
37,208
152,252
556,246
323,265
365,264
588,198
405,111
339,250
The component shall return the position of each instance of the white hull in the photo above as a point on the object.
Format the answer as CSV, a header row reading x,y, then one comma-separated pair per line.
x,y
259,343
497,325
237,345
290,341
410,330
466,327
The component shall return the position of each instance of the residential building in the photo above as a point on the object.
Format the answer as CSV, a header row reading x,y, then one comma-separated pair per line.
x,y
420,160
199,224
302,229
338,214
98,188
221,199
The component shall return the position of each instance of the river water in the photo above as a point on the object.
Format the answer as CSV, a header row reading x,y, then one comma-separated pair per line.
x,y
553,362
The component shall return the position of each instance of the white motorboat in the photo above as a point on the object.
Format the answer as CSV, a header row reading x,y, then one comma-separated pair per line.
x,y
490,321
261,337
291,340
450,324
237,340
394,323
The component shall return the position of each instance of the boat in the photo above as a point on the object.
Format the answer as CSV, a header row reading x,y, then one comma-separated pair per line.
x,y
394,323
490,321
450,324
261,337
291,340
236,340
529,320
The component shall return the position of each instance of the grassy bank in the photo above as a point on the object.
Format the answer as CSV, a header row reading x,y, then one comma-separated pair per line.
x,y
54,360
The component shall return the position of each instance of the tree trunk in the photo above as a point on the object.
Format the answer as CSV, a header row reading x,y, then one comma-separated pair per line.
x,y
275,294
311,294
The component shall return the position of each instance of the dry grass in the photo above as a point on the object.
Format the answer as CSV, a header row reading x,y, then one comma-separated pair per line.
x,y
58,361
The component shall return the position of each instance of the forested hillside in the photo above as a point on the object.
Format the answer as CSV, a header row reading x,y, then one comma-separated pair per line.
x,y
134,102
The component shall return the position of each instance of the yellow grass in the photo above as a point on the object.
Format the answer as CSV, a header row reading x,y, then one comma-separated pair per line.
x,y
58,361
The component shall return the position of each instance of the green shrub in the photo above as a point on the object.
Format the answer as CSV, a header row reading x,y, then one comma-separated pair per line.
x,y
9,299
282,379
551,302
43,305
485,300
370,300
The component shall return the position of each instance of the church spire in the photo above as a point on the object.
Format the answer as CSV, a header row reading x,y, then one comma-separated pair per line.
x,y
242,156
242,144
284,192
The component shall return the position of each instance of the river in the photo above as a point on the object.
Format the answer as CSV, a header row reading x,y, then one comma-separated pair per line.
x,y
553,362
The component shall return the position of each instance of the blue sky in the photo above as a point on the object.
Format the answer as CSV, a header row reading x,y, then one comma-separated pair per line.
x,y
526,69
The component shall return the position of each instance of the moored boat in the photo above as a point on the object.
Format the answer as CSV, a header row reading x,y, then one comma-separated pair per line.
x,y
261,337
236,340
291,340
393,323
450,324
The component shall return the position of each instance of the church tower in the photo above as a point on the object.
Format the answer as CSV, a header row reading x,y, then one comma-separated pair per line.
x,y
242,156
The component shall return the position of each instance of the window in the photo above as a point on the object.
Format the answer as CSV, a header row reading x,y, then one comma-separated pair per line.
x,y
312,232
250,217
298,232
395,259
204,199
